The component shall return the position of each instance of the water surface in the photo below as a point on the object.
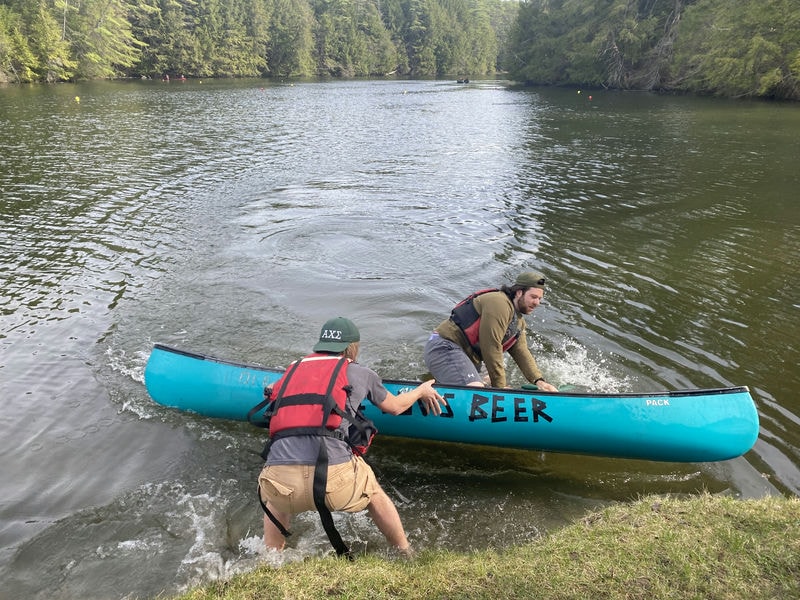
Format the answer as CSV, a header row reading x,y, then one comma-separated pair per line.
x,y
233,218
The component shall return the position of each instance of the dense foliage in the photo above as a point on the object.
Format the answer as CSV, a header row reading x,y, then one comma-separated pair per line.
x,y
744,48
54,40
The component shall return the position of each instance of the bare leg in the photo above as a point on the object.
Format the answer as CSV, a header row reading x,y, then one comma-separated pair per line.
x,y
385,515
273,538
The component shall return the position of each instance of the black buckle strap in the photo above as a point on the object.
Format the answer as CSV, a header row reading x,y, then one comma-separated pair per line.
x,y
320,486
321,476
284,532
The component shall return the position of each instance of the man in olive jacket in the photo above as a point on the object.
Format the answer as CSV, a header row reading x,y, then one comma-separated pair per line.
x,y
480,329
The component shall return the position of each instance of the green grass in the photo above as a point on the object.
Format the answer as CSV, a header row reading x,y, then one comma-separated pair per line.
x,y
657,547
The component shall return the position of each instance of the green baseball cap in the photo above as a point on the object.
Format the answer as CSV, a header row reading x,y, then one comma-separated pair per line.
x,y
336,335
530,279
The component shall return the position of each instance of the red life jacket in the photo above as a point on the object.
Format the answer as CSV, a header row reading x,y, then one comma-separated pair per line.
x,y
298,407
307,396
469,321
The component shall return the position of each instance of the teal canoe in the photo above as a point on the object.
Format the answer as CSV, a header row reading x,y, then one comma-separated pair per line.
x,y
677,426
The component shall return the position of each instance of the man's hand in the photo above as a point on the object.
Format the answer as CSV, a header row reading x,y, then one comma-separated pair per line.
x,y
546,387
432,400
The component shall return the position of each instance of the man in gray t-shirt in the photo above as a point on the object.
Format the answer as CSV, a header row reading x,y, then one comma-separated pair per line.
x,y
286,481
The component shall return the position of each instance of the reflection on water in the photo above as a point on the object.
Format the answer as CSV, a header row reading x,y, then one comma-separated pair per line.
x,y
683,234
232,218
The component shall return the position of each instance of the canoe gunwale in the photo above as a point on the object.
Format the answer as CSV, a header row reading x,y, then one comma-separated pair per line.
x,y
414,383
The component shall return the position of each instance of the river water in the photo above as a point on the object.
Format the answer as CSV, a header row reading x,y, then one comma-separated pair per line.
x,y
233,217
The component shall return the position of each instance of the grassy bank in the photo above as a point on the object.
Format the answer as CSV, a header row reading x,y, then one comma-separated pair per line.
x,y
704,547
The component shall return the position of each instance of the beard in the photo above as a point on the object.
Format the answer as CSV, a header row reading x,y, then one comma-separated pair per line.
x,y
521,307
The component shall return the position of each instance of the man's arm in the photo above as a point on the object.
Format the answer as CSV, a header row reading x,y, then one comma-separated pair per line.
x,y
387,402
396,405
527,364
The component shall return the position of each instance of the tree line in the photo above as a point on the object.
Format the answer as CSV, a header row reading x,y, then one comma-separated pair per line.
x,y
58,40
746,48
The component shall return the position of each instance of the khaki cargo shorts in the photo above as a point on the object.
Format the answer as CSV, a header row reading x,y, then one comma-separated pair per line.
x,y
290,488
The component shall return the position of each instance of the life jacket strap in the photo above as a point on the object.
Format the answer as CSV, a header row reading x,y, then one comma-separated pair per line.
x,y
264,420
321,475
319,488
284,532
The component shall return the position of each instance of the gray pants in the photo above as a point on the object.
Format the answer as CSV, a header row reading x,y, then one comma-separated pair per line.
x,y
447,362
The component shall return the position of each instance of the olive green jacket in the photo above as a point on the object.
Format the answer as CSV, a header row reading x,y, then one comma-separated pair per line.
x,y
497,312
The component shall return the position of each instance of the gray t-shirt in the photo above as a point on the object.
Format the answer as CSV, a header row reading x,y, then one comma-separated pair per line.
x,y
303,449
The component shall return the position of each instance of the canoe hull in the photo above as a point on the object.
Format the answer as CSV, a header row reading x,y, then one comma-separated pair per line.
x,y
684,426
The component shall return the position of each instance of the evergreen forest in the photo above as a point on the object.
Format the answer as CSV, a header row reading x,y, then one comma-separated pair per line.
x,y
749,48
